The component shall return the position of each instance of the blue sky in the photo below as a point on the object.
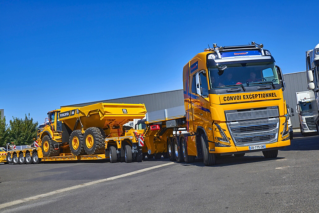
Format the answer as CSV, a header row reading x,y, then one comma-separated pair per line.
x,y
55,53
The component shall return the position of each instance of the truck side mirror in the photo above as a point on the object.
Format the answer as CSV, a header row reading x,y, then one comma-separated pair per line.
x,y
281,77
311,86
310,76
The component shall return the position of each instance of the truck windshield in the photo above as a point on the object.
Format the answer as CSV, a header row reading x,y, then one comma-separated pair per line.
x,y
247,74
307,107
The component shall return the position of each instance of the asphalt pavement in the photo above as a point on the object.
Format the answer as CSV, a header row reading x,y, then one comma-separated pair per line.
x,y
289,183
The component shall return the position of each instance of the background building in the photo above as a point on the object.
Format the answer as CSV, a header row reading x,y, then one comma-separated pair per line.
x,y
295,82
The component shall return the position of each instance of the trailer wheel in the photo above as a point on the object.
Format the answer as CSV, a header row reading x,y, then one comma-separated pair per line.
x,y
9,158
187,158
170,150
93,141
113,154
139,157
76,142
177,149
208,158
28,158
21,159
128,154
270,154
15,159
48,148
35,158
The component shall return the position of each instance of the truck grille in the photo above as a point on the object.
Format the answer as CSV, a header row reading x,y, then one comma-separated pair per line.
x,y
261,129
311,123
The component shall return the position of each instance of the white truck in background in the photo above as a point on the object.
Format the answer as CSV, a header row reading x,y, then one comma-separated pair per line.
x,y
312,70
307,111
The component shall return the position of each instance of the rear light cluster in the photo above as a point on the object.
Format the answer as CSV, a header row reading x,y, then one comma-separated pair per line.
x,y
155,127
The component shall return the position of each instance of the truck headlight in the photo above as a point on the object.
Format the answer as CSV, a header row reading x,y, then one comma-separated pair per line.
x,y
220,135
285,132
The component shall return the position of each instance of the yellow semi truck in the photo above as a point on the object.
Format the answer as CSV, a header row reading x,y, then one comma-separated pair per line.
x,y
92,132
233,104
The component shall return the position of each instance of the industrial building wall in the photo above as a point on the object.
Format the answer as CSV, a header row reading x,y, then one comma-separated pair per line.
x,y
153,102
295,82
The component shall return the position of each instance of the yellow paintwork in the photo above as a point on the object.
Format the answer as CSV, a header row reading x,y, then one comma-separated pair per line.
x,y
3,155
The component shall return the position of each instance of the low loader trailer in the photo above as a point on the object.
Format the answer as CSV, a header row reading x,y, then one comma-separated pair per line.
x,y
93,132
233,104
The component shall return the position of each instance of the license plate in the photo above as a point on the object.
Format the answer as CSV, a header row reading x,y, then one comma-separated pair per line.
x,y
257,147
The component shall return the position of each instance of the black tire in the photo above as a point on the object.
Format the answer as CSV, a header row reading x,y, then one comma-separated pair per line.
x,y
76,143
158,156
270,154
15,159
291,135
21,158
208,158
187,158
178,152
48,148
128,153
239,155
35,158
93,141
170,150
9,159
28,158
113,154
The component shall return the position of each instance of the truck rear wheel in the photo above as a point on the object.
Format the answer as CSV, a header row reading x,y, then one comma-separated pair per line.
x,y
35,158
15,159
128,154
9,158
21,159
94,141
270,154
48,148
208,158
76,142
28,158
177,148
113,154
170,149
187,158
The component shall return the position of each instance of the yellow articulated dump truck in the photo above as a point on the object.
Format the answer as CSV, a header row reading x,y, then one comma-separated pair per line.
x,y
92,132
233,104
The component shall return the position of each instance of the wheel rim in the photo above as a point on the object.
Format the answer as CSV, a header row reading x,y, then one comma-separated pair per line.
x,y
75,143
21,159
89,141
46,146
28,159
169,149
15,159
176,150
9,158
35,158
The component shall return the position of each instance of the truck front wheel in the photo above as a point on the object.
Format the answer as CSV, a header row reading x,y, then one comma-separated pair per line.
x,y
128,154
76,142
113,154
208,158
48,148
270,154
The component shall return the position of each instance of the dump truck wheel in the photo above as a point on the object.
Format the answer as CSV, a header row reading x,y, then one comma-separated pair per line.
x,y
28,158
35,158
187,158
21,159
113,154
15,159
270,154
170,150
93,141
9,159
208,158
128,154
48,148
76,142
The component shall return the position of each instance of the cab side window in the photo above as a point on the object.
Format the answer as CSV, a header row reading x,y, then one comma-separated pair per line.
x,y
203,84
194,84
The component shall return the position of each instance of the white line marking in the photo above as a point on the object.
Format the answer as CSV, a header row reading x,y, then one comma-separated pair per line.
x,y
283,167
24,200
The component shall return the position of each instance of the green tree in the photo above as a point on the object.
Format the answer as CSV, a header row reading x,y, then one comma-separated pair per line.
x,y
22,132
3,132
